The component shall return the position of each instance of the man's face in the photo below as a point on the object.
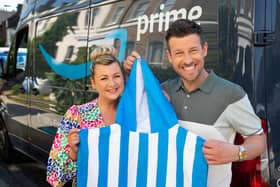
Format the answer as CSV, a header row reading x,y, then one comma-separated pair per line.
x,y
187,57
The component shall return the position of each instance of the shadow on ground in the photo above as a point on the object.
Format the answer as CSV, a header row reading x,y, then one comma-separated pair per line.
x,y
23,172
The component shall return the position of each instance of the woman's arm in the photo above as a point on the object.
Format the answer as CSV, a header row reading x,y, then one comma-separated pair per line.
x,y
73,141
61,168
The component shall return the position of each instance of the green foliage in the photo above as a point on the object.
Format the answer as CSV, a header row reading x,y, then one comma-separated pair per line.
x,y
74,88
16,89
49,39
2,42
81,56
66,98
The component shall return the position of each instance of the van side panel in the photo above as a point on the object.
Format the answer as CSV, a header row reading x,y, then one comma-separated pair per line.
x,y
59,73
272,86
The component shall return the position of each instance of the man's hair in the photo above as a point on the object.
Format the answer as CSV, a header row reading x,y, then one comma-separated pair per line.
x,y
182,28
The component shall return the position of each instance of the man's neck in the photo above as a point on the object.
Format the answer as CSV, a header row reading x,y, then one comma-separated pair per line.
x,y
193,85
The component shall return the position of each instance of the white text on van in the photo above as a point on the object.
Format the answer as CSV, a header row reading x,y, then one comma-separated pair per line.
x,y
143,21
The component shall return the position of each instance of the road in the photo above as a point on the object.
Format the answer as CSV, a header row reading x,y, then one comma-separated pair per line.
x,y
22,172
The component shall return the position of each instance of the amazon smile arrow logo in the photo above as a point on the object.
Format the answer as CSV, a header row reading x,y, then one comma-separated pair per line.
x,y
78,71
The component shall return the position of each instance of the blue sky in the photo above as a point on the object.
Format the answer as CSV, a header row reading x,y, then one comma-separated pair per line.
x,y
10,5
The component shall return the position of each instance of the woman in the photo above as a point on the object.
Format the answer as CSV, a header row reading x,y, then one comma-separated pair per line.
x,y
107,79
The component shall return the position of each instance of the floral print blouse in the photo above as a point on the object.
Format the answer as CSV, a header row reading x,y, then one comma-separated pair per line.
x,y
61,168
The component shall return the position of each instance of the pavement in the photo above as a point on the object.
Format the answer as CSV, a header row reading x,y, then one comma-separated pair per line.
x,y
22,172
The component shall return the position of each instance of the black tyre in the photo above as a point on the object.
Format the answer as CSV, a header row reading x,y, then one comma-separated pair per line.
x,y
6,151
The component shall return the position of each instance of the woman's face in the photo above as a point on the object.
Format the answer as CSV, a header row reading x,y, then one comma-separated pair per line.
x,y
108,80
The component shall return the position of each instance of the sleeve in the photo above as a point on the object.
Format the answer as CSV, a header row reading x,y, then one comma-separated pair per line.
x,y
60,168
243,118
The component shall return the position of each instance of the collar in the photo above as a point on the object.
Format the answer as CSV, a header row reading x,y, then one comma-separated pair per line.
x,y
206,86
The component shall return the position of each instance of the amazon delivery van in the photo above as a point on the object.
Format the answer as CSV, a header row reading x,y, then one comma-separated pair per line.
x,y
244,47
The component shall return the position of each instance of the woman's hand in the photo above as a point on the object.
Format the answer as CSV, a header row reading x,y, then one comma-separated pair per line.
x,y
128,62
166,95
73,141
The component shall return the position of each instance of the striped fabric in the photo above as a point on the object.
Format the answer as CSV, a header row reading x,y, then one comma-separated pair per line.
x,y
146,146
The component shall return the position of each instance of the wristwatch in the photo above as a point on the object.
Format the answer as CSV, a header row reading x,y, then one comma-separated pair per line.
x,y
242,153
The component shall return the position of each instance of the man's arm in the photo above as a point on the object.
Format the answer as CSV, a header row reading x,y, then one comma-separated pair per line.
x,y
255,145
219,152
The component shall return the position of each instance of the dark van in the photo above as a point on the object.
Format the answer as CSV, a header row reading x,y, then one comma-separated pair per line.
x,y
243,38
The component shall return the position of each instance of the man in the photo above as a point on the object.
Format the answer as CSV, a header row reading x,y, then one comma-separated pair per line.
x,y
210,106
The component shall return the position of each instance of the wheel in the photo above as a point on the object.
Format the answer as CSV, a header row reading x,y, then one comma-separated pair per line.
x,y
6,151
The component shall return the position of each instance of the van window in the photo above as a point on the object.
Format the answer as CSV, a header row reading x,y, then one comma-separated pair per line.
x,y
16,60
155,50
242,6
168,5
61,59
117,14
69,54
129,47
139,9
14,95
250,6
234,5
16,74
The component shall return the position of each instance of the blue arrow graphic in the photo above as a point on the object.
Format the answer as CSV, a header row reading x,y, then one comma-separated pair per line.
x,y
120,34
78,71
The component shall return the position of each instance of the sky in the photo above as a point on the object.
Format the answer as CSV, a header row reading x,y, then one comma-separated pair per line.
x,y
10,5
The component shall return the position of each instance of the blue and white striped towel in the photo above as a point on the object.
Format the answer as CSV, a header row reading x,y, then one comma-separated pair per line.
x,y
146,146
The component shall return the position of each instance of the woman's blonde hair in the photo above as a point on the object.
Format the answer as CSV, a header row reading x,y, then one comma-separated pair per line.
x,y
104,55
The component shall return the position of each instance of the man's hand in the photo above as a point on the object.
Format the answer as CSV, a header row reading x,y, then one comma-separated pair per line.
x,y
73,141
128,62
219,152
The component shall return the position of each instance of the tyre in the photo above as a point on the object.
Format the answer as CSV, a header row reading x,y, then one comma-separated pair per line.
x,y
6,151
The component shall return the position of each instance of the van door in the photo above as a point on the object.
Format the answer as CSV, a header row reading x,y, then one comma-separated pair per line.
x,y
14,102
268,39
58,74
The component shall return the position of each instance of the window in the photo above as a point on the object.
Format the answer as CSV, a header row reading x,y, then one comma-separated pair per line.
x,y
61,58
168,4
86,18
116,15
155,49
234,5
250,8
69,54
95,12
15,66
129,48
241,54
17,55
242,6
140,10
